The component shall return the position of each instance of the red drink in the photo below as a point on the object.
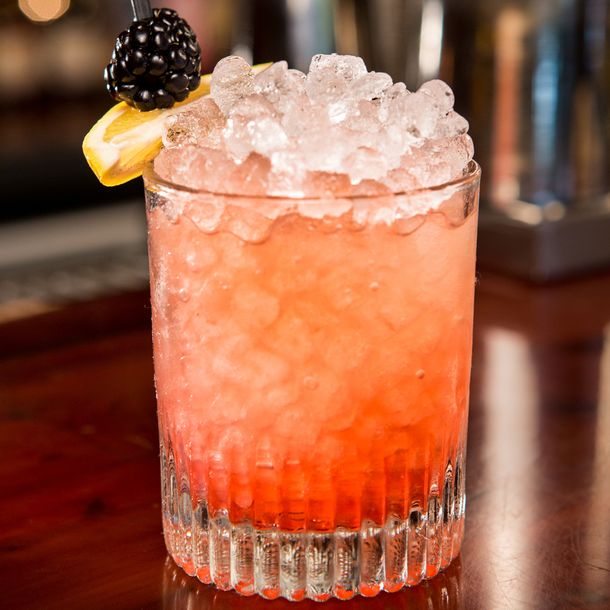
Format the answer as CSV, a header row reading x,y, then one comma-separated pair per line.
x,y
312,362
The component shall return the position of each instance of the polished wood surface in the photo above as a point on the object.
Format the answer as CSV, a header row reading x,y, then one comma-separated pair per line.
x,y
80,523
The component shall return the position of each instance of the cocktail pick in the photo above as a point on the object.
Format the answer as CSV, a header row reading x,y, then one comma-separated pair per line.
x,y
141,9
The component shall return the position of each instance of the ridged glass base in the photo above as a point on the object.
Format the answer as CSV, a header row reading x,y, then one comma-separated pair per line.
x,y
315,565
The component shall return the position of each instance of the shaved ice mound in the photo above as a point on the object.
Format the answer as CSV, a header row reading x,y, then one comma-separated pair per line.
x,y
338,130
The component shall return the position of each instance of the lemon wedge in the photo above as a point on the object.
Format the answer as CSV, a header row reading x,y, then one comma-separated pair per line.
x,y
120,144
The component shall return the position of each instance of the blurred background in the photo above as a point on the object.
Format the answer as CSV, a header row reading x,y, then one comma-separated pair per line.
x,y
533,78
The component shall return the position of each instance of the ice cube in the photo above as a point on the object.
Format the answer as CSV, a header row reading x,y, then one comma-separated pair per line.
x,y
418,116
194,126
370,188
194,167
458,152
390,101
278,84
365,163
327,184
253,126
295,79
285,180
400,180
214,171
232,80
264,136
266,82
247,223
267,136
251,176
365,118
395,91
348,67
322,146
333,207
440,93
325,87
207,216
370,86
452,124
217,172
330,75
297,115
438,161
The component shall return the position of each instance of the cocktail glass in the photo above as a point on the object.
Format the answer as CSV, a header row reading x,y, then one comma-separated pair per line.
x,y
312,364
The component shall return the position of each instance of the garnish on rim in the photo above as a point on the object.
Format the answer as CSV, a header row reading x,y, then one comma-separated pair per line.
x,y
155,68
120,144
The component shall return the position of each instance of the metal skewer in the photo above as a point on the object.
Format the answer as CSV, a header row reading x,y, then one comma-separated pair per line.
x,y
141,9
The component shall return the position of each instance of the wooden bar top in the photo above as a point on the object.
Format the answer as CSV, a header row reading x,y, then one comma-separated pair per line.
x,y
80,522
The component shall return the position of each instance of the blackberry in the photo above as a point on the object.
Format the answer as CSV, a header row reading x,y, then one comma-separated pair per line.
x,y
155,63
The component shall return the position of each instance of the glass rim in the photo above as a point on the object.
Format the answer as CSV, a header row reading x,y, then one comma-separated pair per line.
x,y
472,174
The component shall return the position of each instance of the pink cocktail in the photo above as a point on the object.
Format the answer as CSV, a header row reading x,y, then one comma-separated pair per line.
x,y
312,362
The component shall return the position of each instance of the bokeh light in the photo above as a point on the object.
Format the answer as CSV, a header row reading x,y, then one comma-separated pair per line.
x,y
43,10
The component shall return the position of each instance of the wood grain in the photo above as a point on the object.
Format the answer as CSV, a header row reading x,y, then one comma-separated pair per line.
x,y
80,520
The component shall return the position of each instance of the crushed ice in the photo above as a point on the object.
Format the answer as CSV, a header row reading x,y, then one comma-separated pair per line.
x,y
281,132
